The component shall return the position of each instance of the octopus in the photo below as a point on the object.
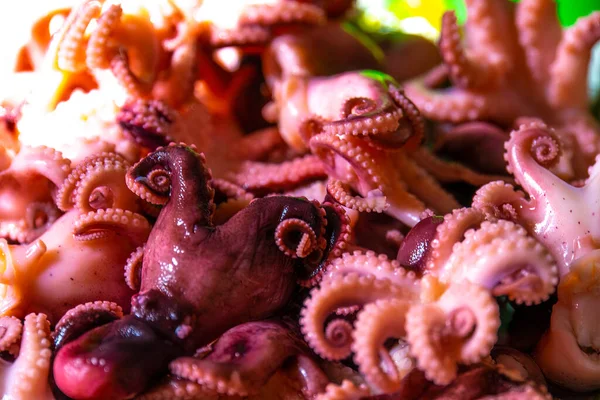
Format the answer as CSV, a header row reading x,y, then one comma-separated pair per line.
x,y
518,62
30,343
100,230
558,214
360,136
498,255
285,240
443,330
247,360
27,186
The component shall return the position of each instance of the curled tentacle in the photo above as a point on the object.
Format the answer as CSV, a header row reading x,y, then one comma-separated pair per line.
x,y
374,202
448,233
533,148
147,123
151,179
507,262
103,186
11,329
115,41
348,290
376,323
68,195
459,328
133,269
370,263
97,225
295,238
499,200
82,318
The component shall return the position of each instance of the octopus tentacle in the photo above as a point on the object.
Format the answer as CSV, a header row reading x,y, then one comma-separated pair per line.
x,y
539,45
91,186
373,327
97,54
44,161
499,200
460,327
488,24
103,186
569,71
30,370
374,202
372,264
256,176
447,171
148,123
425,187
450,232
533,148
346,391
453,106
281,13
367,167
295,238
72,38
80,319
151,179
11,329
100,224
133,268
349,290
464,72
508,262
177,388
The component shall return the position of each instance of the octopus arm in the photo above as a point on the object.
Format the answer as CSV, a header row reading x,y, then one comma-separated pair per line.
x,y
568,73
373,327
334,342
504,259
459,328
488,25
539,44
27,377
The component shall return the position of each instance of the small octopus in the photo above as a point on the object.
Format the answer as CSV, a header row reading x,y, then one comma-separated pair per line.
x,y
197,280
518,63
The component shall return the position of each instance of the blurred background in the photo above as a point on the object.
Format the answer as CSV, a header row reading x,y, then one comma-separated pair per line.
x,y
385,17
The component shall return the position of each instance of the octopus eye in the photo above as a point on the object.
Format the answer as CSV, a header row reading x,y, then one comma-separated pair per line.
x,y
159,180
295,238
101,198
358,106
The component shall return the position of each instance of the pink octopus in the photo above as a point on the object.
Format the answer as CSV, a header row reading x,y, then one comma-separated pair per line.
x,y
517,63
